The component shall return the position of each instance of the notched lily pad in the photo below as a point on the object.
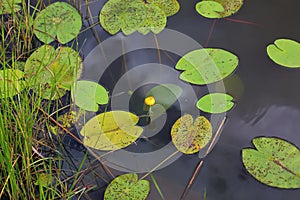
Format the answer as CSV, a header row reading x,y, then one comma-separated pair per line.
x,y
191,136
169,7
155,21
218,8
136,15
127,187
208,65
51,72
215,103
285,52
111,130
9,6
120,14
59,20
87,95
274,162
11,83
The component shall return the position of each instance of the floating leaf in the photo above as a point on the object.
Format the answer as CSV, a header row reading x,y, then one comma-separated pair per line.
x,y
169,7
52,71
87,95
208,65
10,82
136,15
8,6
191,136
119,14
218,8
59,20
285,52
165,94
127,187
215,103
155,21
274,162
111,130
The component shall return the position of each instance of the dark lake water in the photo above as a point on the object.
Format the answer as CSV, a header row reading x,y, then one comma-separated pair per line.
x,y
266,95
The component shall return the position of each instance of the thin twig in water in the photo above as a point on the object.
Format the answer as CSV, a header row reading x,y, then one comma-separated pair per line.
x,y
197,170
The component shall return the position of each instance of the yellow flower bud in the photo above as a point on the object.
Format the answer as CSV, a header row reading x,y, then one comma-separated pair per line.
x,y
150,101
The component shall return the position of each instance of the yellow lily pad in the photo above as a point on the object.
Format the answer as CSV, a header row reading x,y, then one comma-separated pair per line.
x,y
111,130
190,136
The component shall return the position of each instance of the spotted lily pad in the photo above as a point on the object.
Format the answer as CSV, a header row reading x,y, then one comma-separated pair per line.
x,y
9,6
169,7
119,14
218,8
59,20
87,95
191,136
11,83
274,162
165,94
285,52
127,187
51,72
208,65
136,15
155,20
215,103
111,130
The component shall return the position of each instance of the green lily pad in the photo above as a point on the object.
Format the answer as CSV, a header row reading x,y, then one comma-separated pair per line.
x,y
136,15
126,15
169,7
51,72
9,6
155,21
208,65
127,187
274,162
165,94
11,83
285,52
87,95
218,8
111,130
191,136
59,20
215,103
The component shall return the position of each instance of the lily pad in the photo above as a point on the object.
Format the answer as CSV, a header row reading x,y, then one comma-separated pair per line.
x,y
165,94
215,103
274,162
169,7
218,8
127,187
111,130
11,83
87,95
136,15
208,65
155,21
119,14
9,6
59,20
51,72
191,136
285,52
